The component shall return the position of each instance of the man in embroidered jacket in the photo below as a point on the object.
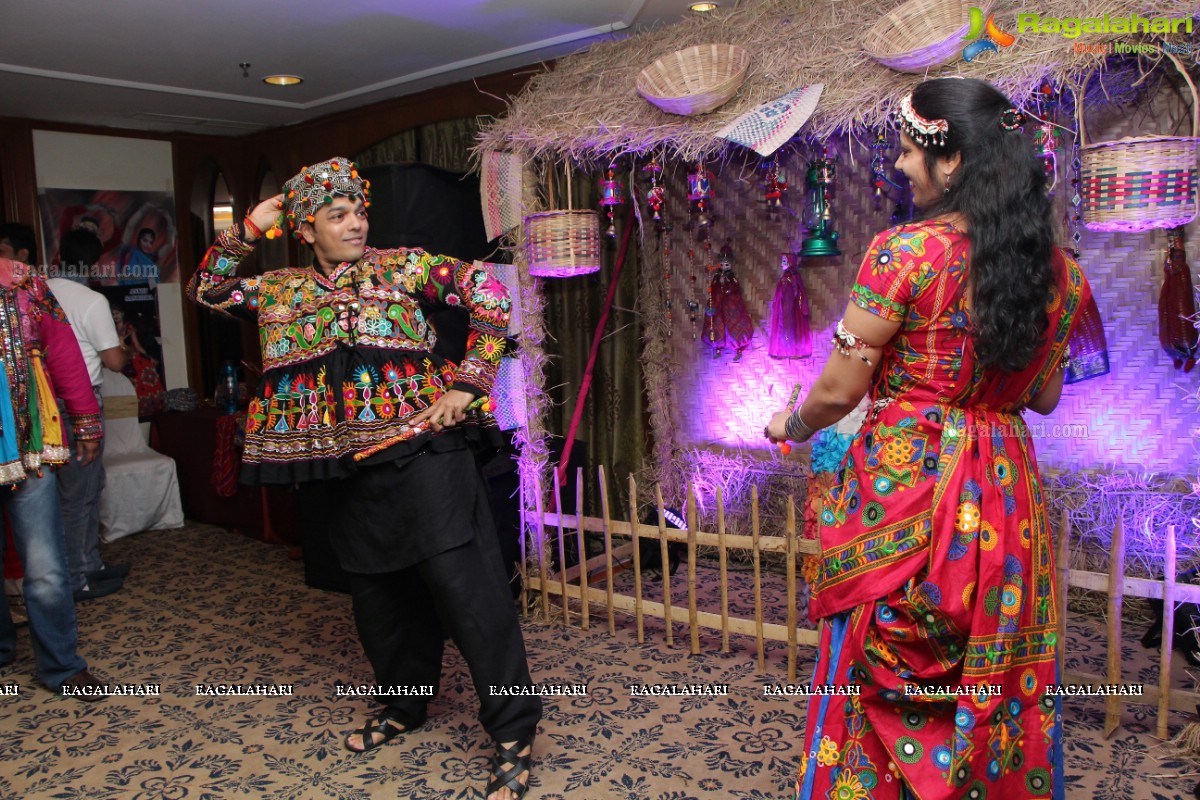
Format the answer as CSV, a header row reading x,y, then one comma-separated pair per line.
x,y
357,409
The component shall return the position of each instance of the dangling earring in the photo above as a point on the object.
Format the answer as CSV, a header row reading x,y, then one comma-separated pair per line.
x,y
947,189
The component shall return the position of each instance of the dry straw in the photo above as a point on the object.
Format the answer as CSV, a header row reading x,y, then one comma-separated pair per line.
x,y
695,80
919,34
588,108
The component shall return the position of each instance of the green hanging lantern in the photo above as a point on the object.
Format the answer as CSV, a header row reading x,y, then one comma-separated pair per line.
x,y
822,239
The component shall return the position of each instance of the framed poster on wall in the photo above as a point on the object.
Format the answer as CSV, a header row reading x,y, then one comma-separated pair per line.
x,y
136,232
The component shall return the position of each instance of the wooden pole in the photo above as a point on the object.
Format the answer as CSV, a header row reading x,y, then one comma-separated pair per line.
x,y
543,576
1116,596
585,620
523,539
666,569
1168,634
608,558
562,555
1063,569
637,561
693,623
757,558
791,589
724,560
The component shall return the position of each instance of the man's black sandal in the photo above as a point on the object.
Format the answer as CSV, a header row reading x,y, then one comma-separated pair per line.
x,y
380,724
508,765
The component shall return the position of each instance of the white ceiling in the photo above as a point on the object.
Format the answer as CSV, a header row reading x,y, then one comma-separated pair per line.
x,y
172,65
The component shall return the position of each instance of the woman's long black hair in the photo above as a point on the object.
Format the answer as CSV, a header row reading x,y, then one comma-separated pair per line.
x,y
1000,189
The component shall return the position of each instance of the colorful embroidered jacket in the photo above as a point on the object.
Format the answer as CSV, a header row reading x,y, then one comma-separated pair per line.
x,y
348,359
42,362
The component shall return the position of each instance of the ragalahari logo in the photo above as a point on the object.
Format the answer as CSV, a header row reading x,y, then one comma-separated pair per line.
x,y
986,35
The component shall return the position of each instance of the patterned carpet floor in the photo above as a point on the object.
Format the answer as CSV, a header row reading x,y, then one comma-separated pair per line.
x,y
205,606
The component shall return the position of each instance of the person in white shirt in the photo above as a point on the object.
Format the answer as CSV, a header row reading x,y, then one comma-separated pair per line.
x,y
79,485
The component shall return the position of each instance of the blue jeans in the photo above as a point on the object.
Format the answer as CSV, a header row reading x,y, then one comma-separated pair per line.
x,y
38,534
79,489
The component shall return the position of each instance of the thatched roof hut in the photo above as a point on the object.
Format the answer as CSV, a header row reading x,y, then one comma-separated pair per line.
x,y
587,108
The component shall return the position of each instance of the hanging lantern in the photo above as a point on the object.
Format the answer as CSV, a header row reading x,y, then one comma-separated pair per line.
x,y
612,193
818,213
700,194
774,187
656,195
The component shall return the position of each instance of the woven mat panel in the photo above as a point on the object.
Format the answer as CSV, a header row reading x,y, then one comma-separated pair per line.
x,y
1139,416
726,403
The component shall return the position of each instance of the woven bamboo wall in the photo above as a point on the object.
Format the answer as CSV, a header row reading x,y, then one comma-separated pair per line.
x,y
1136,418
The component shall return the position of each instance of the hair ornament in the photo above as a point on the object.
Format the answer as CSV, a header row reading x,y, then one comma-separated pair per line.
x,y
925,132
1011,119
315,186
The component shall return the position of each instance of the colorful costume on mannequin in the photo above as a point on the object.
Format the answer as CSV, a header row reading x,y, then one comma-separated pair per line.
x,y
937,567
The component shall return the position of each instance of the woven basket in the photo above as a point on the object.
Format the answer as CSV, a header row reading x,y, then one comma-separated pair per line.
x,y
562,244
1143,182
695,80
919,34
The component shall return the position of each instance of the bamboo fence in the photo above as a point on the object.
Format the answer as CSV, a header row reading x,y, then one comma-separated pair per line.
x,y
558,586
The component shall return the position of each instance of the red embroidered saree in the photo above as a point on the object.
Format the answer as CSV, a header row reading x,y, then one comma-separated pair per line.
x,y
936,582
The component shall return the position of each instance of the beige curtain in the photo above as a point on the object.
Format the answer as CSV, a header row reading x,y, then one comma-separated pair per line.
x,y
441,144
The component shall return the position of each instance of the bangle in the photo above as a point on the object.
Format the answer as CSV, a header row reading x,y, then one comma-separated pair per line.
x,y
250,227
797,429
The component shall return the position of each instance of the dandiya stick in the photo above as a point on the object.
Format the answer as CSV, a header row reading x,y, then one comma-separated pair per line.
x,y
784,446
415,431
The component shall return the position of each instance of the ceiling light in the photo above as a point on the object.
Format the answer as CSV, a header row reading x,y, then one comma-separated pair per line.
x,y
283,80
703,8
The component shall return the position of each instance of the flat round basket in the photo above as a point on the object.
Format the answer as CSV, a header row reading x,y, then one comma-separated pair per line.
x,y
695,80
1141,182
919,34
562,244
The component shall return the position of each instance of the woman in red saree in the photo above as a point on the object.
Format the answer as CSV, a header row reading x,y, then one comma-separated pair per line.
x,y
936,584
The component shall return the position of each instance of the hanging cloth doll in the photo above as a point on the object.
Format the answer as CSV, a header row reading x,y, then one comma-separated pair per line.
x,y
1177,306
790,333
726,320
